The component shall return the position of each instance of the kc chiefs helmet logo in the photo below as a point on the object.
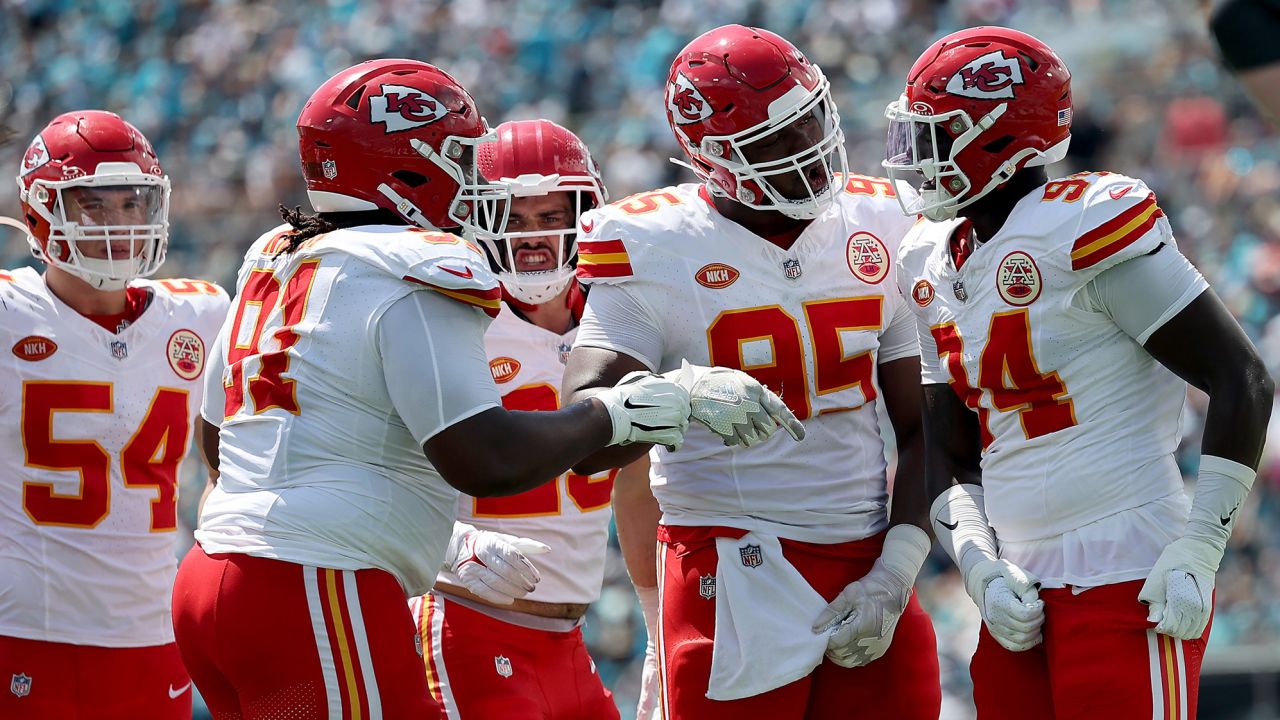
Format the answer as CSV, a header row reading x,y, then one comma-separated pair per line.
x,y
404,108
989,77
685,103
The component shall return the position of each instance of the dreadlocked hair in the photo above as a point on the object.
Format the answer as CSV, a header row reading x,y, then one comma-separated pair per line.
x,y
304,226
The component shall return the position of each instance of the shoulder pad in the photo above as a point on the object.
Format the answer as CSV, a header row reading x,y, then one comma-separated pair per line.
x,y
446,263
602,254
1119,219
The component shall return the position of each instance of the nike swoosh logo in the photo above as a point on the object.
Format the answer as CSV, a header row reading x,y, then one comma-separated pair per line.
x,y
632,406
175,694
1227,519
587,226
949,526
1117,193
464,275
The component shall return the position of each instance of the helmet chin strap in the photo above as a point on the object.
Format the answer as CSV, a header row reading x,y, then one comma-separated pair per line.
x,y
405,207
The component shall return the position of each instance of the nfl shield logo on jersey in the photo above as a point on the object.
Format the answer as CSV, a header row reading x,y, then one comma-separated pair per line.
x,y
791,268
502,665
707,586
957,287
119,350
20,685
751,556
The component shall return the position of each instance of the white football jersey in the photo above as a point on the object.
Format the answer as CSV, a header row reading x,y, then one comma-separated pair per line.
x,y
99,425
1079,423
571,513
317,465
811,322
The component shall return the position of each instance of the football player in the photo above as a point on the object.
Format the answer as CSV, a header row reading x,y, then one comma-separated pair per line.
x,y
778,263
489,654
101,389
355,400
1059,324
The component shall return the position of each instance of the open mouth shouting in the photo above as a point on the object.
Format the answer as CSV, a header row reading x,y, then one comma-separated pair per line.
x,y
535,256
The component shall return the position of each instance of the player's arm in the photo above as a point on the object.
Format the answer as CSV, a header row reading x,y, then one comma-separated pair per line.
x,y
1161,301
208,435
588,372
1006,596
636,513
438,380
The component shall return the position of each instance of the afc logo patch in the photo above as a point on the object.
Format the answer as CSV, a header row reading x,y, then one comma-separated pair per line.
x,y
751,556
707,586
404,108
989,77
1018,279
186,354
502,665
867,257
20,685
685,103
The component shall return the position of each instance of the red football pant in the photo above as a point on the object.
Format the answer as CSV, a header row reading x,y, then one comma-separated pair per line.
x,y
903,684
272,640
481,667
51,681
1100,659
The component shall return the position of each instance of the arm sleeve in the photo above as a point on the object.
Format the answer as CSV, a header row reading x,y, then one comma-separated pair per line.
x,y
434,362
899,339
615,319
931,370
1142,294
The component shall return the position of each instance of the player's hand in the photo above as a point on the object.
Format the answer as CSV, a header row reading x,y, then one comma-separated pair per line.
x,y
861,620
1179,589
647,408
734,405
1009,600
493,565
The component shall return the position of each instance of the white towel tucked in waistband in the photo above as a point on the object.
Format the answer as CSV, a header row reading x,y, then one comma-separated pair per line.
x,y
764,614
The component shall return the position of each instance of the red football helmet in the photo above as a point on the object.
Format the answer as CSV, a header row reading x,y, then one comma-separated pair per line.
x,y
980,104
536,158
729,93
90,177
399,135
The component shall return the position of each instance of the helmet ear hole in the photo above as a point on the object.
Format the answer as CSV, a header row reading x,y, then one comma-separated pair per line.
x,y
410,178
998,144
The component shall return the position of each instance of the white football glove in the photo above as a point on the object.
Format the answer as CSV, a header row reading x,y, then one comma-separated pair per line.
x,y
862,618
1008,598
493,565
647,408
1179,589
650,684
734,405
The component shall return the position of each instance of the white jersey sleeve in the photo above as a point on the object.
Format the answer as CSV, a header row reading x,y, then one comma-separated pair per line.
x,y
617,319
1142,294
423,336
899,338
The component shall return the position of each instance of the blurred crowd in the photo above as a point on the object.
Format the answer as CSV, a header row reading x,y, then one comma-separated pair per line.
x,y
217,86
